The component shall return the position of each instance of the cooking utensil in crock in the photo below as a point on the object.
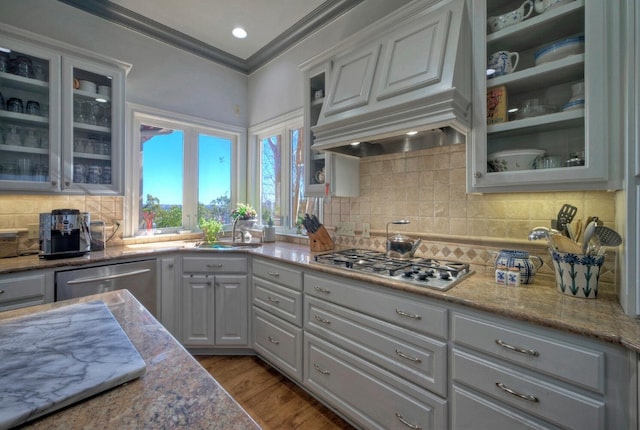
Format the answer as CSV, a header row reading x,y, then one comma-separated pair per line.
x,y
607,236
588,233
401,246
565,216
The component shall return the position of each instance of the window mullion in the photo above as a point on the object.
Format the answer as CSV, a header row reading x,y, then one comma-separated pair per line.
x,y
190,171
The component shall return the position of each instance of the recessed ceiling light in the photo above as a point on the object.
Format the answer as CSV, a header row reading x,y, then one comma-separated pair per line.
x,y
3,49
354,143
239,32
101,100
411,133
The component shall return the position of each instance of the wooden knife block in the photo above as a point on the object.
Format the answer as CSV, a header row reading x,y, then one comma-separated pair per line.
x,y
320,240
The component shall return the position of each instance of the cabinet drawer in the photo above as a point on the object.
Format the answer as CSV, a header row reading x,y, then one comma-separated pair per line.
x,y
415,357
278,300
278,342
470,408
367,394
30,288
405,312
549,354
215,264
529,393
279,273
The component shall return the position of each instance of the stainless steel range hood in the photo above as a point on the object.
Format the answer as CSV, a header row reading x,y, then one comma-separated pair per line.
x,y
410,71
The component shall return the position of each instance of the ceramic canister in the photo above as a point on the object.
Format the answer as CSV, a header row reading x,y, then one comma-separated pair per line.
x,y
577,275
521,260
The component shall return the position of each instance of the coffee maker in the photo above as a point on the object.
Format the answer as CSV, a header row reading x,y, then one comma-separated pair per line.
x,y
64,233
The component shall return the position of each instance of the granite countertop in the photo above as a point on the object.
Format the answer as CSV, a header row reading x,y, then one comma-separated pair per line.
x,y
175,391
538,303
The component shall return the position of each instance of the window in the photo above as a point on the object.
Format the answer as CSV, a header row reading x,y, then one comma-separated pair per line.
x,y
186,170
279,161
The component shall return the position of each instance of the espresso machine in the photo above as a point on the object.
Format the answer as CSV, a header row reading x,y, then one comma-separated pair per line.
x,y
64,233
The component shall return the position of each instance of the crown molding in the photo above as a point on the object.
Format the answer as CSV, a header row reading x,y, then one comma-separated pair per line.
x,y
323,14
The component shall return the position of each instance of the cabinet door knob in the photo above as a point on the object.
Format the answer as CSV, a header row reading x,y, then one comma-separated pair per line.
x,y
274,340
1,291
477,175
54,183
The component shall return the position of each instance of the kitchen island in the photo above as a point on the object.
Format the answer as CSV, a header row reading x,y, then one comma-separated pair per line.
x,y
175,391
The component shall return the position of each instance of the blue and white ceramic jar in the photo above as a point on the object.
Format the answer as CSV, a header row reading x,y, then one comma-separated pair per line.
x,y
528,264
577,275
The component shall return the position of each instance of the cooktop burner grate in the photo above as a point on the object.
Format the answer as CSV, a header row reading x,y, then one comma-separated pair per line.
x,y
425,272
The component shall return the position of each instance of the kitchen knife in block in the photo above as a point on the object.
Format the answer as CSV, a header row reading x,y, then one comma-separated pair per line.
x,y
320,240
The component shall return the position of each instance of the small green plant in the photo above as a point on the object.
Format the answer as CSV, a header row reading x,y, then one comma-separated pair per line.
x,y
244,211
211,229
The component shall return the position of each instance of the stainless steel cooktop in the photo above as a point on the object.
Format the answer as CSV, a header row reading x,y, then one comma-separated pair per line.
x,y
424,272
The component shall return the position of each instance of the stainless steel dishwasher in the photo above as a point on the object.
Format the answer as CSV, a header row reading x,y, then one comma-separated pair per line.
x,y
139,277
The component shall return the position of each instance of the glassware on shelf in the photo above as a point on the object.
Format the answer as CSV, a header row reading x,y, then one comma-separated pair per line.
x,y
24,67
31,139
13,136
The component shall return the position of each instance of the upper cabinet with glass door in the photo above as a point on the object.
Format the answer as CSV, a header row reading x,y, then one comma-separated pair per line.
x,y
92,129
542,94
29,117
62,118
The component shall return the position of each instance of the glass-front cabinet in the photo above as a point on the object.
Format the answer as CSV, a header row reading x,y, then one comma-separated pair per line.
x,y
61,119
29,117
92,125
542,84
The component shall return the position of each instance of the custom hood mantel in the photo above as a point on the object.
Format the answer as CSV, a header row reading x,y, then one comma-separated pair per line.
x,y
410,71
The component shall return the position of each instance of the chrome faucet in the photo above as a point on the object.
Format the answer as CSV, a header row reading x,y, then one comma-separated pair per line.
x,y
233,230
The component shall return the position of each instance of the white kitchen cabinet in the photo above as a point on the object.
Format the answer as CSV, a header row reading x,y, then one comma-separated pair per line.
x,y
18,290
326,174
586,133
389,347
170,303
277,315
73,140
214,301
502,370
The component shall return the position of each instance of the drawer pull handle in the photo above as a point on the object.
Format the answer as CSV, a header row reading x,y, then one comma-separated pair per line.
x,y
320,369
322,320
274,340
407,357
272,300
505,345
506,389
408,315
274,274
407,423
321,290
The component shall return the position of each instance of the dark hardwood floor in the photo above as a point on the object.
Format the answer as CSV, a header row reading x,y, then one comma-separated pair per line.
x,y
273,401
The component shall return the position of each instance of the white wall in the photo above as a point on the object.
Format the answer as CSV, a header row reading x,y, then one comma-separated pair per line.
x,y
276,88
162,76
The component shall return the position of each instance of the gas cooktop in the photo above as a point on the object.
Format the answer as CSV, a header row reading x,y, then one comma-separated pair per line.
x,y
424,272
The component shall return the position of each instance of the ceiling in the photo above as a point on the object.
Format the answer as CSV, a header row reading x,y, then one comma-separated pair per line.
x,y
203,27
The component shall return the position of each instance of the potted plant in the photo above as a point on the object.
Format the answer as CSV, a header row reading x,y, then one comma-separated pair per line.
x,y
244,211
211,228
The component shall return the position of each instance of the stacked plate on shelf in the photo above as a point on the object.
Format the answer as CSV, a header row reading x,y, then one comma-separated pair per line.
x,y
560,49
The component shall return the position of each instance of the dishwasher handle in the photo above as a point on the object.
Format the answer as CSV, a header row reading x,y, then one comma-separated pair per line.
x,y
107,277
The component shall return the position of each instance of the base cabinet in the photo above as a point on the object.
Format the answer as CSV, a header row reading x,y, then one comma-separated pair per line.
x,y
514,375
26,289
277,315
366,394
215,301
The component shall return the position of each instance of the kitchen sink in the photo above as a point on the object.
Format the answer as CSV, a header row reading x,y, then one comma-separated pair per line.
x,y
228,245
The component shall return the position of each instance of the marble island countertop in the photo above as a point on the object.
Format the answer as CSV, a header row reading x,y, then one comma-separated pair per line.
x,y
538,303
175,391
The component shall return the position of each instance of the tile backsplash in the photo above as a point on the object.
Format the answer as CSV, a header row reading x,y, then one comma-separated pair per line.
x,y
18,211
428,188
